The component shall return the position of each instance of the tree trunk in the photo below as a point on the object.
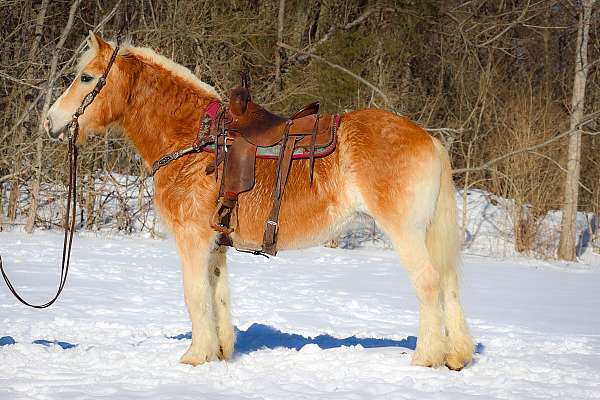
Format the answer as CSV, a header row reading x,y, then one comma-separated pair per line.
x,y
548,80
15,191
310,23
143,215
35,188
39,145
279,50
566,249
39,142
90,200
1,206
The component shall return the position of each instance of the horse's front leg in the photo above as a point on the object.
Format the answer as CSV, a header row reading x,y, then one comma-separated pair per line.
x,y
220,285
195,249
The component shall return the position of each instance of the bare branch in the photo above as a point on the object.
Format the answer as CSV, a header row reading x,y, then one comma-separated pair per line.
x,y
366,14
344,70
65,66
19,81
491,162
13,175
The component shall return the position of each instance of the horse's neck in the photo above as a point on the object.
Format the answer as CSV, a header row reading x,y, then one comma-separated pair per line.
x,y
163,114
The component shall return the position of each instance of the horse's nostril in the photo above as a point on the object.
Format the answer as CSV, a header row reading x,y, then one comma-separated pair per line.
x,y
54,134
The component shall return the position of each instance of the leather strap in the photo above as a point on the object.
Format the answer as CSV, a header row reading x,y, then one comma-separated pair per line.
x,y
212,118
71,214
313,142
283,169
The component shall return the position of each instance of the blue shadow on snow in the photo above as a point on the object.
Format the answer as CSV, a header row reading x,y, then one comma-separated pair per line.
x,y
259,336
8,340
48,343
585,237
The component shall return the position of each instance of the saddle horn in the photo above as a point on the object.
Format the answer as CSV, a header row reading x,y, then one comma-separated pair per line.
x,y
239,99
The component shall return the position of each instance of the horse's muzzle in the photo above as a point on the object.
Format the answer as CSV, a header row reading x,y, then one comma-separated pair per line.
x,y
54,134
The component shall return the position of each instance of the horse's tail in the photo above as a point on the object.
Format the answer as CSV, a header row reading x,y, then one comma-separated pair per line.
x,y
443,244
443,241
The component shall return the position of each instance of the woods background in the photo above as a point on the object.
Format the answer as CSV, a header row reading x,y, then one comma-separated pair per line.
x,y
490,78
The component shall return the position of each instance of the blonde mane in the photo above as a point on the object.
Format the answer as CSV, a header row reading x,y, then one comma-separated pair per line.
x,y
151,57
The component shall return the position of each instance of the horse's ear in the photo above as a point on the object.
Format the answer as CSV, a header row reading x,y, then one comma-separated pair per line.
x,y
96,42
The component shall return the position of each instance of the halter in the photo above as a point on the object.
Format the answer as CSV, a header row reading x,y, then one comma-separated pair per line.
x,y
72,191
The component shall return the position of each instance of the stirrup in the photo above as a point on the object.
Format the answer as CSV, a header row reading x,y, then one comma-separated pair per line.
x,y
221,218
224,239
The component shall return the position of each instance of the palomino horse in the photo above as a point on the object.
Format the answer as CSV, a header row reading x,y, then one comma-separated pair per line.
x,y
384,166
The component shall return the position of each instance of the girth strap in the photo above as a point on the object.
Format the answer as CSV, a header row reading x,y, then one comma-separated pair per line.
x,y
283,169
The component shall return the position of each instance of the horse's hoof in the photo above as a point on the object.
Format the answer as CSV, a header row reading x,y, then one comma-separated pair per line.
x,y
195,358
421,364
454,367
456,363
427,361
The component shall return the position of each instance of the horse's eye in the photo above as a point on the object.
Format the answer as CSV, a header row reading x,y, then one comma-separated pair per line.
x,y
86,78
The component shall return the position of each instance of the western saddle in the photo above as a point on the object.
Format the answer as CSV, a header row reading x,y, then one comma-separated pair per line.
x,y
244,131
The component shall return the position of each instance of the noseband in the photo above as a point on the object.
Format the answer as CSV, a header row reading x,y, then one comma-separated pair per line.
x,y
72,191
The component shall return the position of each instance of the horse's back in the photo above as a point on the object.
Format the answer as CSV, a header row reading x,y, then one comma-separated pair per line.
x,y
382,136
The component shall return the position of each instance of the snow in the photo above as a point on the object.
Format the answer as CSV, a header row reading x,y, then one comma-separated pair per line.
x,y
489,228
123,325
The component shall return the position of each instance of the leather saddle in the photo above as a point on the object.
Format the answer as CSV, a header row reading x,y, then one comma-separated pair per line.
x,y
246,128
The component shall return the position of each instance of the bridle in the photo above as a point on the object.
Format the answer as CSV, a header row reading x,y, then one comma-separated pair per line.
x,y
73,133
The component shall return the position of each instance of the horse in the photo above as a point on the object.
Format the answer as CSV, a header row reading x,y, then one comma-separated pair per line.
x,y
384,166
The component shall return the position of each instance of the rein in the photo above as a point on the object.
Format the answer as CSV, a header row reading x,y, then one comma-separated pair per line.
x,y
72,191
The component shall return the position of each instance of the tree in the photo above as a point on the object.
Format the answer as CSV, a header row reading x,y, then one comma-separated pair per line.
x,y
566,249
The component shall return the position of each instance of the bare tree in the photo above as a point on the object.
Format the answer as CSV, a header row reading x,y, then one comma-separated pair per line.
x,y
40,131
278,51
566,249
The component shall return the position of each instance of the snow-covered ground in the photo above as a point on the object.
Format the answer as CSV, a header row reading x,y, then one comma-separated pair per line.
x,y
537,326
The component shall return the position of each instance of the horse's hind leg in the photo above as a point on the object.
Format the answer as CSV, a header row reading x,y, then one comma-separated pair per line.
x,y
423,229
404,211
220,287
460,343
431,343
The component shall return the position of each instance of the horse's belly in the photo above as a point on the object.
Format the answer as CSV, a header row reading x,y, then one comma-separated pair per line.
x,y
309,215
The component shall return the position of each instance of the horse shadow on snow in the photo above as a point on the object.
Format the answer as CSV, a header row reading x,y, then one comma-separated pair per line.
x,y
259,336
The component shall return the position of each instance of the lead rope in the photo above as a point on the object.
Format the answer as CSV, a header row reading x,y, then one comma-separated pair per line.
x,y
72,191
